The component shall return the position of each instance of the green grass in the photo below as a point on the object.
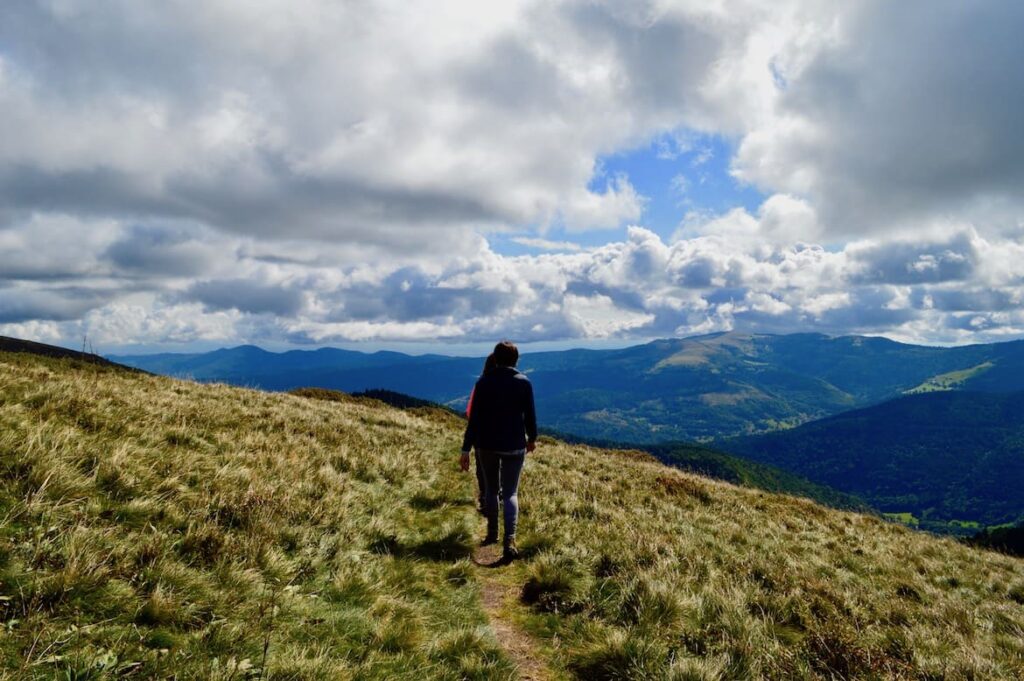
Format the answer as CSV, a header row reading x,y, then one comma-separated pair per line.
x,y
906,518
154,528
949,380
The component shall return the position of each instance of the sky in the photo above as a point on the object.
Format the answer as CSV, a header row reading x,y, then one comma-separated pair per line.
x,y
428,176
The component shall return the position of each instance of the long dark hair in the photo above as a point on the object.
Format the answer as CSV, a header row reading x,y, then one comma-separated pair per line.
x,y
489,364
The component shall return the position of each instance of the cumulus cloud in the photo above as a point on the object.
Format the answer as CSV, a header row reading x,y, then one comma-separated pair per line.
x,y
915,262
405,124
637,288
781,218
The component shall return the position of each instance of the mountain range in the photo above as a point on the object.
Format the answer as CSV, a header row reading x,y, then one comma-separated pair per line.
x,y
691,389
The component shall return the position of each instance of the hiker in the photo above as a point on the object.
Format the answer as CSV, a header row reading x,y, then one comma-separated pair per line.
x,y
503,428
477,462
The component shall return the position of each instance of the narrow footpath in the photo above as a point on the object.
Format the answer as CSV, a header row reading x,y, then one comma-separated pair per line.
x,y
499,597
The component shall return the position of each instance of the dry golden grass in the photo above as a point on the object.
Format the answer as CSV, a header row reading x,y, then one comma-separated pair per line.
x,y
658,574
165,529
154,528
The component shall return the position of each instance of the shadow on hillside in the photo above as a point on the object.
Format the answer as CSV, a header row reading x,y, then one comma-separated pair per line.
x,y
431,502
450,546
453,545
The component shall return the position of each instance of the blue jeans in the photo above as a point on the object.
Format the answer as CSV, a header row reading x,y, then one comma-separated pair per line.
x,y
501,472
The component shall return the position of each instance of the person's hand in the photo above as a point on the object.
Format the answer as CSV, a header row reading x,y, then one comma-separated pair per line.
x,y
530,446
464,461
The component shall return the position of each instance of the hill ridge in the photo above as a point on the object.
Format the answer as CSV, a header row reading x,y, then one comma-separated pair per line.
x,y
14,345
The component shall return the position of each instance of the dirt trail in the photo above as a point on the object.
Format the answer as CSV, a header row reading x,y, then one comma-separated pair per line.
x,y
495,594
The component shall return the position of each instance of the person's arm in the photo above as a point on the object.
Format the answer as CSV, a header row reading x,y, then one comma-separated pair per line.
x,y
530,419
469,437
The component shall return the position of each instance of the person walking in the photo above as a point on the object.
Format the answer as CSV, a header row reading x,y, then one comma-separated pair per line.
x,y
502,427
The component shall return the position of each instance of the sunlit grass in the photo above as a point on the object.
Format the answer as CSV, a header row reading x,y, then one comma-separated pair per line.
x,y
658,574
164,529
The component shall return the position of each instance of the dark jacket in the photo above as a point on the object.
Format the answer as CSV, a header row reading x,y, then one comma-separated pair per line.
x,y
503,418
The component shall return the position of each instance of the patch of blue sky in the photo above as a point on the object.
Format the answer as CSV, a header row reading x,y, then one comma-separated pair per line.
x,y
677,173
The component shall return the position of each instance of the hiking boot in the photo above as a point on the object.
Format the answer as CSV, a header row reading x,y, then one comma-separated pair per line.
x,y
492,533
511,552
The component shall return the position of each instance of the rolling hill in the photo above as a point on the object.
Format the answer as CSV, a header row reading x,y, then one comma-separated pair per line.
x,y
19,345
691,389
953,460
157,528
720,465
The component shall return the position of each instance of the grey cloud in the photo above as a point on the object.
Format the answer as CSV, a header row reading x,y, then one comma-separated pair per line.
x,y
228,115
285,202
32,265
958,300
912,263
621,294
726,295
697,273
59,304
913,114
973,322
80,48
161,251
246,296
870,309
663,57
512,78
95,191
327,128
410,295
559,296
279,202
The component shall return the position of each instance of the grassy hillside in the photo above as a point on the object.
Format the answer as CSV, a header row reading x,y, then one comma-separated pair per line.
x,y
682,455
951,380
954,460
720,465
162,529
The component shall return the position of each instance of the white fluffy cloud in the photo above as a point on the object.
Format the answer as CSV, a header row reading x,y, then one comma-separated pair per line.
x,y
954,289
